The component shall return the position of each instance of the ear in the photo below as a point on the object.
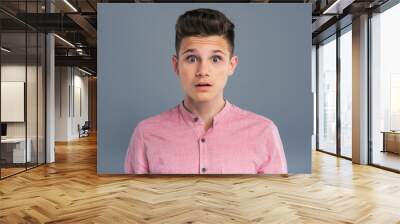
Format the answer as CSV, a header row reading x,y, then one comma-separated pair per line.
x,y
233,62
175,64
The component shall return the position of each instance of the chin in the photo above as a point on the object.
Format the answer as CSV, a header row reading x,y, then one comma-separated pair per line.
x,y
202,98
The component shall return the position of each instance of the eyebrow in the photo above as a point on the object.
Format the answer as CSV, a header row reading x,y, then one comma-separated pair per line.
x,y
191,50
218,51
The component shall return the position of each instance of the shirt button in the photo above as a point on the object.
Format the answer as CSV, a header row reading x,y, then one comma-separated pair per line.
x,y
203,139
203,170
195,119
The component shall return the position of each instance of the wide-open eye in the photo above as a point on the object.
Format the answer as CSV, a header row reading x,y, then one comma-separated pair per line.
x,y
191,59
216,59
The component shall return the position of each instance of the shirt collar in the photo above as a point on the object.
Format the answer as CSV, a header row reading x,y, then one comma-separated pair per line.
x,y
191,117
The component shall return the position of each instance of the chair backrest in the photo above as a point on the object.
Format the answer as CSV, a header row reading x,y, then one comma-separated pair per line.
x,y
86,125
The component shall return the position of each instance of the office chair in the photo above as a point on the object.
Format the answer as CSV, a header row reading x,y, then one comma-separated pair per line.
x,y
84,130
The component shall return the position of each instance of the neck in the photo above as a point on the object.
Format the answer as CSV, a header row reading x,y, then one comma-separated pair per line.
x,y
205,110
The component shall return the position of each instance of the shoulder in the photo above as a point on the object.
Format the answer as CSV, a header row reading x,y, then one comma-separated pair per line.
x,y
252,118
154,122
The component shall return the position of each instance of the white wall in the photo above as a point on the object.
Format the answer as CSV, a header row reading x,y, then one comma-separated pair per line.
x,y
10,73
16,72
71,92
62,81
79,111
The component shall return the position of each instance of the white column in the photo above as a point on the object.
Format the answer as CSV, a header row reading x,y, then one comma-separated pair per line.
x,y
360,90
50,92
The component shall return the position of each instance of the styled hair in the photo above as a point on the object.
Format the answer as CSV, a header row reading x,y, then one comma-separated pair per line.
x,y
204,22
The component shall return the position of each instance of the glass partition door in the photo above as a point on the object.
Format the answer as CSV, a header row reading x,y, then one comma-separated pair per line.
x,y
22,77
327,95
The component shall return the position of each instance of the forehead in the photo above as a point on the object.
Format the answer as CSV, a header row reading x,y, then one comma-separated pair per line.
x,y
204,43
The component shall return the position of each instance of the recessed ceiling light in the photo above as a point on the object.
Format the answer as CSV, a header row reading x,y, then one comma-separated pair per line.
x,y
86,72
5,49
64,40
338,6
70,5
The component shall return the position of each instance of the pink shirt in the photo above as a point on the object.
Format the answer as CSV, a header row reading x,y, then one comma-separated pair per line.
x,y
174,142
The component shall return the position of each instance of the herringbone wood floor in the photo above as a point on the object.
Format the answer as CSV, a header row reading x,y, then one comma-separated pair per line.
x,y
70,191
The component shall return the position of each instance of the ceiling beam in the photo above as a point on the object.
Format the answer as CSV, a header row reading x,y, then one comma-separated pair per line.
x,y
85,61
86,26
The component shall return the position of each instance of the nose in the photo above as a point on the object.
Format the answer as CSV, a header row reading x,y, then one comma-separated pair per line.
x,y
203,69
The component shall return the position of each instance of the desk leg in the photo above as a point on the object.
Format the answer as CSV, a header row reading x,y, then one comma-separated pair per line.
x,y
384,143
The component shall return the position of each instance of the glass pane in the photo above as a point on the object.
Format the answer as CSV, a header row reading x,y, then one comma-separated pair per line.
x,y
386,89
22,84
314,91
327,96
41,98
346,93
13,86
31,100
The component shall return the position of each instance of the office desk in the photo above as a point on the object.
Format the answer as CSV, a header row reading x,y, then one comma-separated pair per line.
x,y
13,150
391,141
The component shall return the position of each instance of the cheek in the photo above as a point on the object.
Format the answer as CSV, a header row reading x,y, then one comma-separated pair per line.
x,y
184,80
185,77
186,70
222,77
222,82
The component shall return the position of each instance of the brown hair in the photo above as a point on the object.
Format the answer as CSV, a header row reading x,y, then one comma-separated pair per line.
x,y
204,22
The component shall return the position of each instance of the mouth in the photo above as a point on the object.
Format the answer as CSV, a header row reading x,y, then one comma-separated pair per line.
x,y
203,84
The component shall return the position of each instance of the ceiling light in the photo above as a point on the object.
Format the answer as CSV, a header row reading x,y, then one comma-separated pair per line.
x,y
86,72
338,6
328,10
70,5
64,40
5,49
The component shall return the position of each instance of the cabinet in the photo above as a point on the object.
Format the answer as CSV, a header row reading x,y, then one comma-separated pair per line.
x,y
391,141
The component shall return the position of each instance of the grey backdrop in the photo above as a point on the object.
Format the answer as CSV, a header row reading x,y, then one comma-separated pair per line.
x,y
136,80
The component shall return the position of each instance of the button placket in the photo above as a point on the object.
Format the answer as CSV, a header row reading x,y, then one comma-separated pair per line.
x,y
203,156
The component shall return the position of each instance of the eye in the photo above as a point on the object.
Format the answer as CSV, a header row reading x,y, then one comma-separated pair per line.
x,y
216,59
191,59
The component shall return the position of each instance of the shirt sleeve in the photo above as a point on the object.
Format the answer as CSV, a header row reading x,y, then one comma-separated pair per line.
x,y
275,161
135,158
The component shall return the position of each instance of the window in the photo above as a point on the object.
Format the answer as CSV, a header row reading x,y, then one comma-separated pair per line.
x,y
346,75
327,95
385,88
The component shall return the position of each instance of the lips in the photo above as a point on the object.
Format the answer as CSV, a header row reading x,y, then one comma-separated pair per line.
x,y
203,84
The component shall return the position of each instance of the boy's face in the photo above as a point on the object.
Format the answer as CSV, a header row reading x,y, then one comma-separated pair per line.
x,y
203,66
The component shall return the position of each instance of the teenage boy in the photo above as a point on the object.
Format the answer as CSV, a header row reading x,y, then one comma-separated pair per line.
x,y
205,133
